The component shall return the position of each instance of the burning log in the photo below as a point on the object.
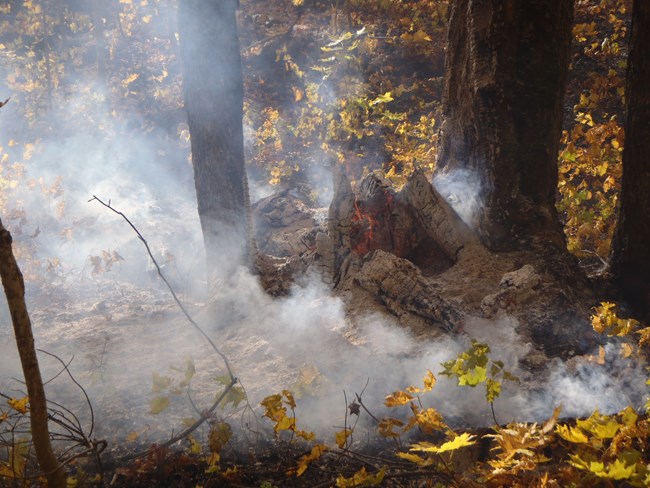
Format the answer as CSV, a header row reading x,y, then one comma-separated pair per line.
x,y
389,242
415,223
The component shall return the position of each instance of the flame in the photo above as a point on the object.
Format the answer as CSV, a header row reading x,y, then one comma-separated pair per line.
x,y
363,231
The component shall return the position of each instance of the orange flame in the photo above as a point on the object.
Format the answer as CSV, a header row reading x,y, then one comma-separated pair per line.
x,y
363,226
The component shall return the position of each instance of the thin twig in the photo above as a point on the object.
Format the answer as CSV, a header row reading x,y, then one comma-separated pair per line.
x,y
169,287
367,411
72,378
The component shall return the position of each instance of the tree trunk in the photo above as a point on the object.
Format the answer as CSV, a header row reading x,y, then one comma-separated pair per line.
x,y
14,286
631,248
506,67
213,90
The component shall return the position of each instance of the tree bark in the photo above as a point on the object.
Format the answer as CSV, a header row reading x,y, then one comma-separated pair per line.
x,y
506,67
213,90
12,280
631,248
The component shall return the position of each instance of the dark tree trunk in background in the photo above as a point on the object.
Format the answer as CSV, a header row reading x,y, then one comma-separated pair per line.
x,y
631,250
213,90
506,67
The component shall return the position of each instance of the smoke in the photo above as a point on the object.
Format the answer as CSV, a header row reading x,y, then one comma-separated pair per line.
x,y
461,188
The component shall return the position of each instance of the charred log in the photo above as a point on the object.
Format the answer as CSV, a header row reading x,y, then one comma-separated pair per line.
x,y
400,286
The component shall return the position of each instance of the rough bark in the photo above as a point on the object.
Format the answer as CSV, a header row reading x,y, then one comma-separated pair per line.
x,y
213,90
14,286
631,248
506,66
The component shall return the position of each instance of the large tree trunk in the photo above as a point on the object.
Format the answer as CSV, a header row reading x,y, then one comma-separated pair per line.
x,y
213,89
631,250
506,67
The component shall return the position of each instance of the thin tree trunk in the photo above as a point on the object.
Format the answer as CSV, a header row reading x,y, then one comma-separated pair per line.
x,y
631,248
12,280
213,89
506,68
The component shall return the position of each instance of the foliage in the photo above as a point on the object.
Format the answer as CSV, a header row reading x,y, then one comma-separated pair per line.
x,y
592,144
474,367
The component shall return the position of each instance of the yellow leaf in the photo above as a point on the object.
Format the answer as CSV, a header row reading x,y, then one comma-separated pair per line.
x,y
421,36
360,478
387,425
398,398
129,79
429,381
146,19
342,436
571,434
385,98
305,434
626,350
6,471
316,452
600,426
629,416
414,458
19,405
290,400
430,420
285,423
463,440
158,404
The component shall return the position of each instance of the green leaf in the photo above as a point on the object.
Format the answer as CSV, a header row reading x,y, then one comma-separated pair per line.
x,y
473,377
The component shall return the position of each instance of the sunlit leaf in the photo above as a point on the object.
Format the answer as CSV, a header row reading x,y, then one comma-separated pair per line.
x,y
342,436
387,427
19,405
316,452
617,470
571,434
600,426
414,458
285,423
398,398
360,478
429,381
460,441
289,398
